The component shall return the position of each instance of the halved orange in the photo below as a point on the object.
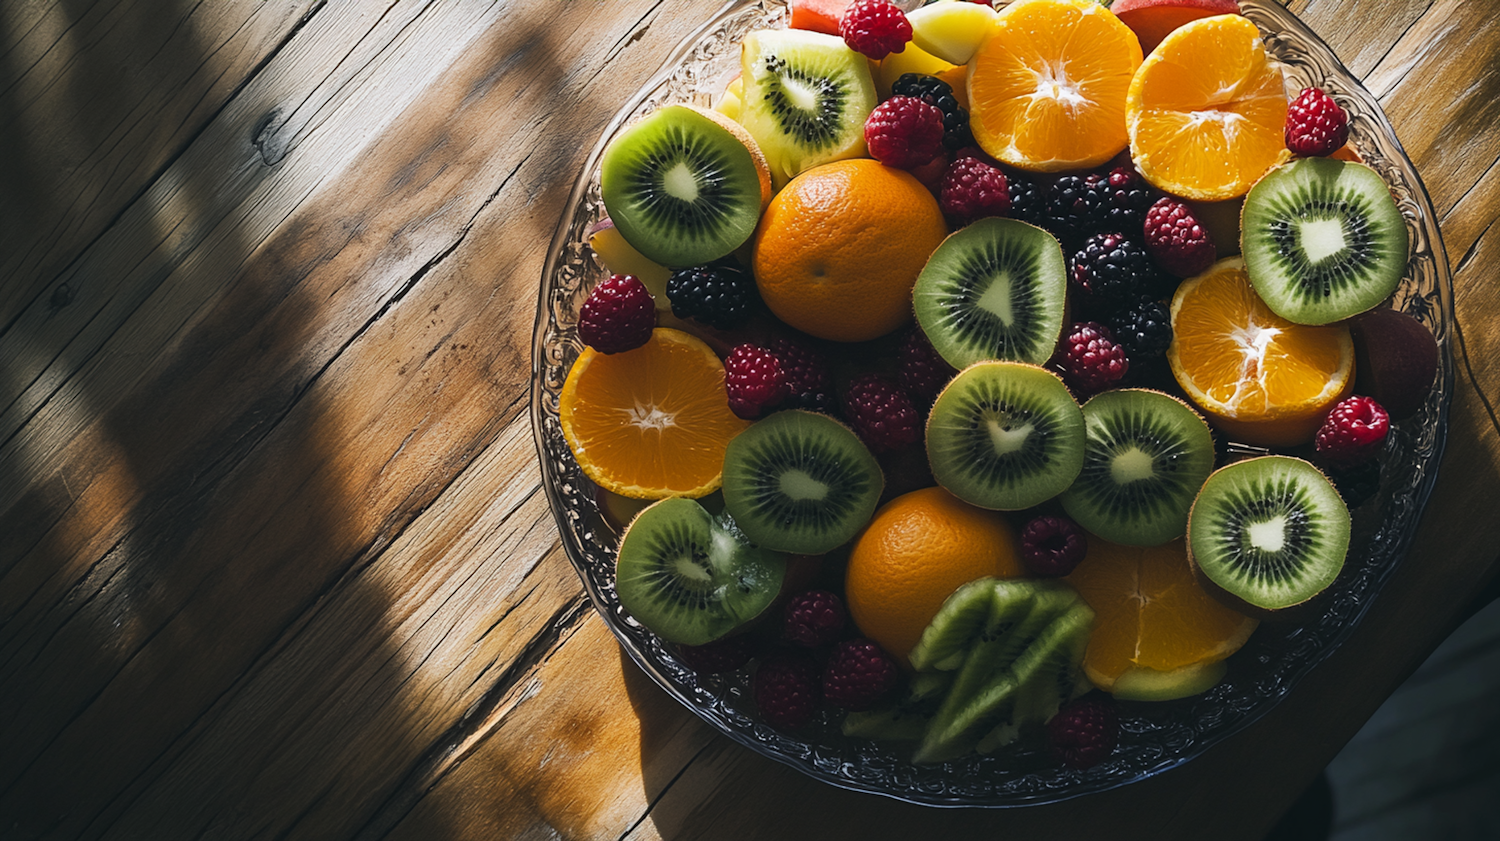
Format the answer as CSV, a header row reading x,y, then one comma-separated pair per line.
x,y
1150,613
653,422
1047,88
1207,110
1260,378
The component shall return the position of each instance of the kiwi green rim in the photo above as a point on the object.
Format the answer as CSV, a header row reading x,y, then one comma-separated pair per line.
x,y
1161,736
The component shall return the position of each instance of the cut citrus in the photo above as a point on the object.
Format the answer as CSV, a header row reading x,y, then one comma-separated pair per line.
x,y
1207,109
1260,378
1150,613
650,423
1047,88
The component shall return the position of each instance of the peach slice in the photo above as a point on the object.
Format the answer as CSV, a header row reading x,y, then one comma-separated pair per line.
x,y
1152,20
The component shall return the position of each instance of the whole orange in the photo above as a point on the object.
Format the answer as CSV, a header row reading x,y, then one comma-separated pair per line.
x,y
839,248
916,551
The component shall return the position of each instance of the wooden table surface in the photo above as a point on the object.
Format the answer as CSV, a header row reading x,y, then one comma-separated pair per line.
x,y
274,561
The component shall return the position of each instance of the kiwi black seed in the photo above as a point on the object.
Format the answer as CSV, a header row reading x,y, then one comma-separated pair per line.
x,y
805,100
1005,435
993,290
1323,240
1267,534
1146,454
683,187
689,577
800,482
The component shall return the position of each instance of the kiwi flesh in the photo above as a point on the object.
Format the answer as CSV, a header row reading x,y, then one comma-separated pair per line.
x,y
1144,684
1267,534
1323,240
904,720
801,482
1005,436
994,290
692,578
684,186
805,99
1146,454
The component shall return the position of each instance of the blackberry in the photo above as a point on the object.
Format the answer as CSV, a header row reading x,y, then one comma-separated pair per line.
x,y
720,294
1026,200
935,91
1075,205
1127,197
1358,484
1143,329
1112,270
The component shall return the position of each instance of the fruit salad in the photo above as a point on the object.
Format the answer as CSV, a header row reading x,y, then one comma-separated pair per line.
x,y
965,370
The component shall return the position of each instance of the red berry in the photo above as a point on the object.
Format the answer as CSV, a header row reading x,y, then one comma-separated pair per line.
x,y
814,618
875,28
972,189
859,673
922,371
1052,546
807,380
1084,732
904,132
619,315
1315,124
1175,239
1354,431
1091,359
882,413
787,690
719,656
754,380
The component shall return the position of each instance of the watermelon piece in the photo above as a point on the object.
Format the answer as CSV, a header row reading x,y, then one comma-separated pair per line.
x,y
817,15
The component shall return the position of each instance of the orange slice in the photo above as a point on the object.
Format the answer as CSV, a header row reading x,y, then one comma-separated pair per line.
x,y
650,423
1150,613
1261,378
1207,110
1047,88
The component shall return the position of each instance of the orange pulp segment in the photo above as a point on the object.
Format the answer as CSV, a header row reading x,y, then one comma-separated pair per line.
x,y
652,422
1047,88
1207,110
1260,378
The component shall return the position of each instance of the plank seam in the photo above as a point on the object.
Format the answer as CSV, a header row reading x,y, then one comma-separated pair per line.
x,y
664,789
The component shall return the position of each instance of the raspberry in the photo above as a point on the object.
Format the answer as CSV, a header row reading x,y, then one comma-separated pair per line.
x,y
1112,270
719,294
881,413
1175,239
1315,124
1356,484
786,689
904,132
1084,732
875,28
807,381
1126,198
1090,358
858,674
935,91
921,371
618,315
1354,431
813,618
754,380
1143,329
1052,546
719,656
972,189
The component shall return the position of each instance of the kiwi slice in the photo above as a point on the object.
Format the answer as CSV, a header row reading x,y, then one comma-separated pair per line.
x,y
1005,435
1267,534
1143,684
691,578
800,482
907,719
684,186
1145,457
806,96
993,290
1323,240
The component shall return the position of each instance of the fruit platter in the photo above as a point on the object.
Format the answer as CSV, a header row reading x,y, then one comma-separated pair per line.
x,y
983,442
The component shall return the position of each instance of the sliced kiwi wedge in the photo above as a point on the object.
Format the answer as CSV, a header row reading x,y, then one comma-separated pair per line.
x,y
904,720
1146,454
684,186
805,99
993,290
800,482
691,578
1267,534
1005,436
1323,240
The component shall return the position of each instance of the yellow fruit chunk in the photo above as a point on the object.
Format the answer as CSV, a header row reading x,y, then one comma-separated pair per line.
x,y
620,257
951,31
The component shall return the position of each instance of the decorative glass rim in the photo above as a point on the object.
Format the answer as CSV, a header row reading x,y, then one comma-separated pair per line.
x,y
1156,737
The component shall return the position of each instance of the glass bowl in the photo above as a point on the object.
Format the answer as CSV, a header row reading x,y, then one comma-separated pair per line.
x,y
1155,736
